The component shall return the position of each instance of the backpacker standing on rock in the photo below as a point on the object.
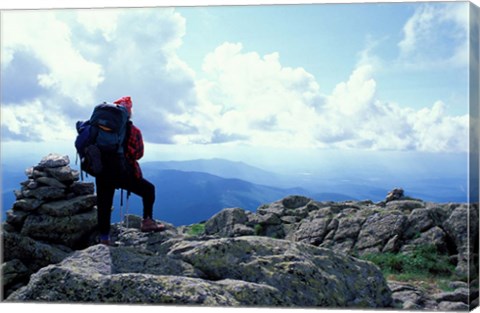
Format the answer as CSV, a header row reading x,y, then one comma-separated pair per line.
x,y
111,153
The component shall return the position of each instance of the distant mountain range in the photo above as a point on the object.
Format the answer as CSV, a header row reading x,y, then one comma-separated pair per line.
x,y
189,197
191,191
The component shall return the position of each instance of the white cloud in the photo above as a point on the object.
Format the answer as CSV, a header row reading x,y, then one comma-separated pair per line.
x,y
256,100
436,35
244,98
90,56
48,39
31,120
253,98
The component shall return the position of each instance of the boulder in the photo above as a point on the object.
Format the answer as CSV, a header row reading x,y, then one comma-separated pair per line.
x,y
295,202
53,160
34,254
28,204
312,231
453,306
13,270
267,272
45,193
66,230
70,207
63,174
456,227
225,223
404,205
305,275
378,229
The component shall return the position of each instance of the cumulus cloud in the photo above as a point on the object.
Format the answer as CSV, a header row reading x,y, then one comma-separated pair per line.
x,y
435,35
84,57
46,38
243,98
254,99
30,121
251,98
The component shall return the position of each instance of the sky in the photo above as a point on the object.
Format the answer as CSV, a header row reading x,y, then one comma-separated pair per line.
x,y
371,76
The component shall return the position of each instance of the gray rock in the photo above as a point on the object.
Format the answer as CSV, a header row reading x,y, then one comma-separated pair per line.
x,y
45,193
405,205
67,230
18,194
82,188
13,271
434,236
64,174
349,228
224,223
418,221
101,274
305,275
289,219
452,306
89,276
34,254
378,229
312,231
16,218
268,218
52,182
54,160
457,284
27,205
393,245
459,295
294,202
407,296
456,227
133,237
69,207
395,194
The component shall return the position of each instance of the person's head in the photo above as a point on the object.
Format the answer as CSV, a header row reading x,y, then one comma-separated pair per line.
x,y
125,102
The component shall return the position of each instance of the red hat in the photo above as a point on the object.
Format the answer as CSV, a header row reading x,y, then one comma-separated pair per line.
x,y
125,102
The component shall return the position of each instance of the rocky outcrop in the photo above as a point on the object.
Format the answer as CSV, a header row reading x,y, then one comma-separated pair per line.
x,y
53,215
362,227
359,227
242,271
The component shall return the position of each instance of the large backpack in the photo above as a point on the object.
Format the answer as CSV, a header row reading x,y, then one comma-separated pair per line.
x,y
103,138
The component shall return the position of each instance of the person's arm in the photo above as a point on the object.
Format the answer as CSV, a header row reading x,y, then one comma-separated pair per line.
x,y
136,148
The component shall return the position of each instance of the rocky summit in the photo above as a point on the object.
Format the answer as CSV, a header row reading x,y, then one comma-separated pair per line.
x,y
295,252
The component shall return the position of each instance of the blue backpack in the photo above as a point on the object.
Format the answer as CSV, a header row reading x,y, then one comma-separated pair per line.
x,y
101,137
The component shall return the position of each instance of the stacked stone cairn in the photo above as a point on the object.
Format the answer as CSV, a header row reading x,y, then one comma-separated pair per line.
x,y
53,215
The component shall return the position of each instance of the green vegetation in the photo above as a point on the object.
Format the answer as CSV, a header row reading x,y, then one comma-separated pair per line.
x,y
196,229
425,262
259,231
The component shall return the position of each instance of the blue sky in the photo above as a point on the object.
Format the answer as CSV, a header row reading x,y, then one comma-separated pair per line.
x,y
330,40
376,77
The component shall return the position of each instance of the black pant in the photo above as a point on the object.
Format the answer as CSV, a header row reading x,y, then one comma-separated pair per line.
x,y
106,186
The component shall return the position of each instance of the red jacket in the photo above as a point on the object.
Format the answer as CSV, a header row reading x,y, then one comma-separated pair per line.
x,y
134,150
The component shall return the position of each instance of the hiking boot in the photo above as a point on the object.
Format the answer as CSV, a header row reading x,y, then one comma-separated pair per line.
x,y
149,225
105,240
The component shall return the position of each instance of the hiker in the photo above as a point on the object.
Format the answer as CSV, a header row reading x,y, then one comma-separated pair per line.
x,y
116,175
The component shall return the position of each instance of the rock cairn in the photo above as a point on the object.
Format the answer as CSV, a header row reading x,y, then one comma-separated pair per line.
x,y
54,214
395,194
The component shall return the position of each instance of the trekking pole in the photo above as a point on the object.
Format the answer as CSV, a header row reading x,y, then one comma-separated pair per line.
x,y
121,205
126,208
